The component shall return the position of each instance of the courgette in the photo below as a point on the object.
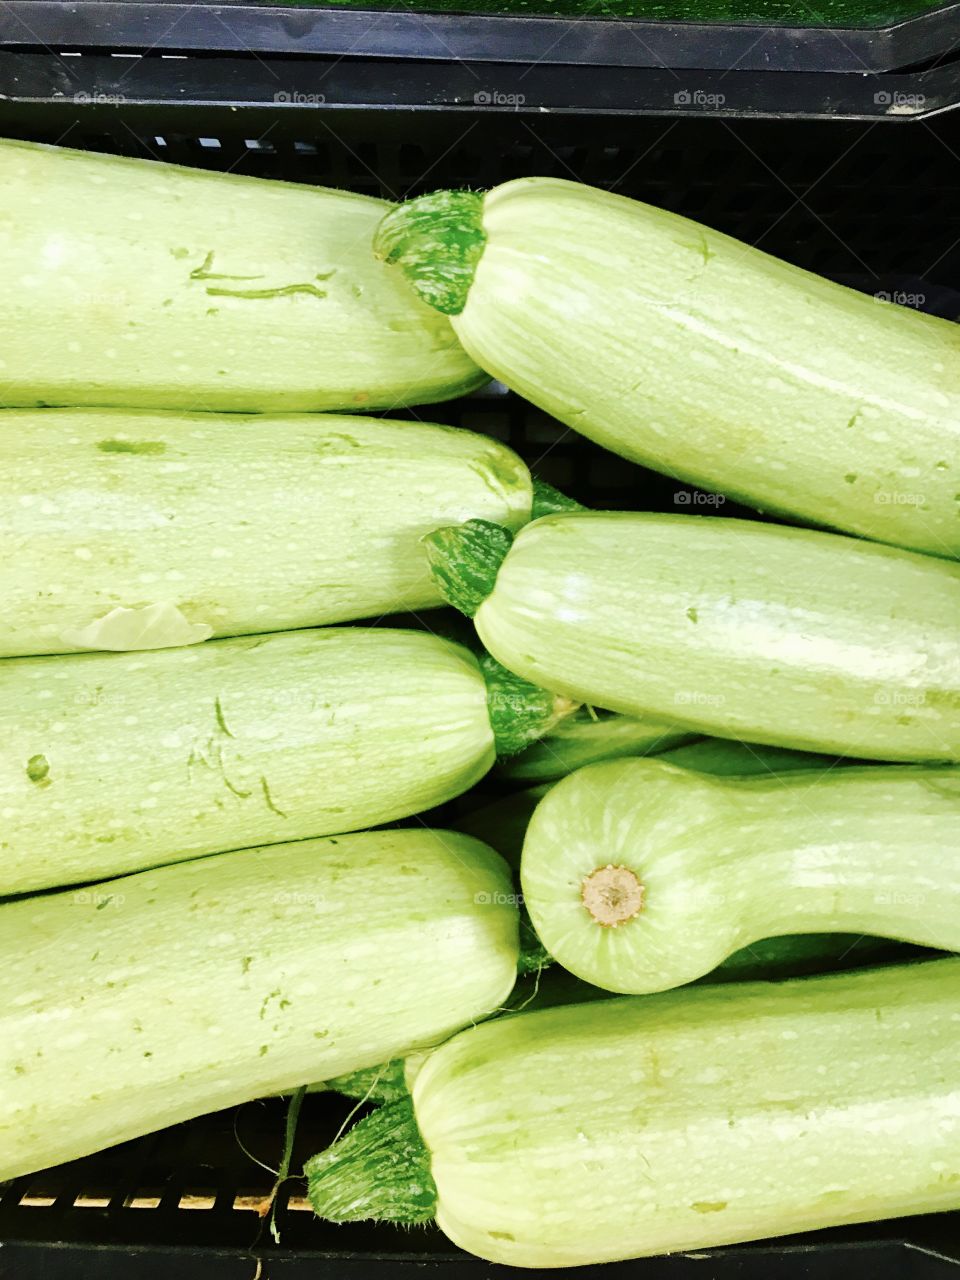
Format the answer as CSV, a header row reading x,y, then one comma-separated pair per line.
x,y
637,1126
242,524
700,356
143,1001
503,821
789,637
585,738
152,286
640,876
113,762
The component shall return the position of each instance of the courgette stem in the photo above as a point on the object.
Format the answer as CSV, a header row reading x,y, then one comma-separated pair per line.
x,y
465,560
520,712
437,241
547,500
379,1169
612,895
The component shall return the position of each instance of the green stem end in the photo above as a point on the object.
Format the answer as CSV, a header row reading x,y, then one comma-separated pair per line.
x,y
385,1083
379,1170
548,501
436,241
520,712
465,560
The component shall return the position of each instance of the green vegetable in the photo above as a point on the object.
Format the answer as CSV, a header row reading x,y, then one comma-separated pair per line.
x,y
502,822
242,524
778,635
155,287
723,758
383,1083
110,763
583,739
143,1001
630,1127
640,876
690,352
587,738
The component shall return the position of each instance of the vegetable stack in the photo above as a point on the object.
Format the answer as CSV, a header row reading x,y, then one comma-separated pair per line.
x,y
676,979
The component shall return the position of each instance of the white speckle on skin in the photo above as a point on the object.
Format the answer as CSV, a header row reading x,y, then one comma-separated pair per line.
x,y
83,553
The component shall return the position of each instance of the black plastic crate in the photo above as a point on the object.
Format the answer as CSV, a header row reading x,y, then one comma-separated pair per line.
x,y
877,205
65,54
752,35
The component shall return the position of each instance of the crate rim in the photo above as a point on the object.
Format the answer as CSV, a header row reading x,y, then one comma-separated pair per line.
x,y
265,29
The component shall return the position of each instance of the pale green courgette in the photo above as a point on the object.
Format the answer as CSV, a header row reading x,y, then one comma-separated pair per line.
x,y
503,821
589,736
637,1126
785,636
723,757
113,762
773,959
585,738
695,354
152,286
242,524
640,876
140,1002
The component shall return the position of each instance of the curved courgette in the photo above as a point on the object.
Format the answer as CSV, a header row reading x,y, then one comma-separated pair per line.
x,y
585,738
502,822
152,286
637,1126
244,524
113,762
640,876
689,352
784,636
143,1001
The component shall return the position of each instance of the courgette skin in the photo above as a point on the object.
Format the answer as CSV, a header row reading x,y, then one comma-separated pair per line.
x,y
503,821
639,1126
148,285
690,352
114,762
640,876
246,524
584,739
143,1001
783,636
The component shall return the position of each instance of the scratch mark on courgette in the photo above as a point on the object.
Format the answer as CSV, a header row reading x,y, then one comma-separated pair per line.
x,y
266,1000
203,272
147,448
221,722
277,291
268,798
237,791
